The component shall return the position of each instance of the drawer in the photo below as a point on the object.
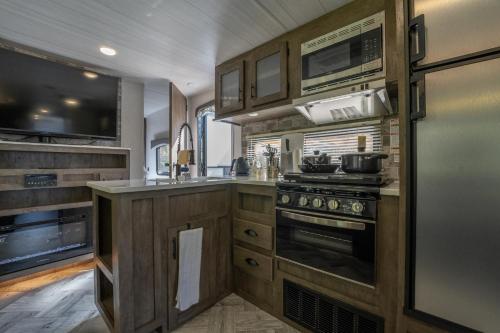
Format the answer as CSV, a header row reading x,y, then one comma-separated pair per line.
x,y
253,233
253,263
255,290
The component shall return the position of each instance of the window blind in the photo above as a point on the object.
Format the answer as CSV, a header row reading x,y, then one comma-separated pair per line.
x,y
342,141
332,142
257,146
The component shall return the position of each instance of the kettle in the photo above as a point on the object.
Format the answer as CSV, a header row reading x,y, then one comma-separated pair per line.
x,y
240,167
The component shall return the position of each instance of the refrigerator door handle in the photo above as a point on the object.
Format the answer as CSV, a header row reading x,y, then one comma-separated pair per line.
x,y
417,96
416,30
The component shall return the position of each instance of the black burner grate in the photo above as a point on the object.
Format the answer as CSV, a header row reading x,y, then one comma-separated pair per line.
x,y
320,313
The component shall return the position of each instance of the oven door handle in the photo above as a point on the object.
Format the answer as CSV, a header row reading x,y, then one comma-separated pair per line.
x,y
323,221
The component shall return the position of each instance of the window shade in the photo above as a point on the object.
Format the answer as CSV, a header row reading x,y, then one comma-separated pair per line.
x,y
342,141
257,146
333,142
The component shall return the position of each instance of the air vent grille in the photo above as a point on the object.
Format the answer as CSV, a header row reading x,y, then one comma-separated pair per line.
x,y
369,22
322,314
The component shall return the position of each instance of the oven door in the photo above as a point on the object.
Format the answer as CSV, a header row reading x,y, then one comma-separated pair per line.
x,y
338,246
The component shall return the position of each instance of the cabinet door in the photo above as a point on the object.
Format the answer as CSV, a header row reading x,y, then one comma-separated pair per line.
x,y
208,277
178,116
269,79
229,87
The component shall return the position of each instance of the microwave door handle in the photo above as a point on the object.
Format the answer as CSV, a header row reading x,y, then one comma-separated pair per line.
x,y
324,221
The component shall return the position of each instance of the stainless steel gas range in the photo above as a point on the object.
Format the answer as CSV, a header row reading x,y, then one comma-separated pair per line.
x,y
328,223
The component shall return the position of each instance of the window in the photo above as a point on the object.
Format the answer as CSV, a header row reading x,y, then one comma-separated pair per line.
x,y
333,142
162,162
215,144
342,141
257,146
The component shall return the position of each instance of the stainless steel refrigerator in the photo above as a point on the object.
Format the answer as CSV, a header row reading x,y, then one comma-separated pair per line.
x,y
454,163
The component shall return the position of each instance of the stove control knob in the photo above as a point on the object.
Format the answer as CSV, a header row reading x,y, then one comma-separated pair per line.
x,y
285,198
303,201
317,202
333,204
357,207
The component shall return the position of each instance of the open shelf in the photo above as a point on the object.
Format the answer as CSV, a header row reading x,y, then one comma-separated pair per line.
x,y
60,160
105,297
29,198
13,179
104,246
7,212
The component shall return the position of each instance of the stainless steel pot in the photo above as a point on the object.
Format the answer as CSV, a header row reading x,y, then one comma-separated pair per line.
x,y
362,162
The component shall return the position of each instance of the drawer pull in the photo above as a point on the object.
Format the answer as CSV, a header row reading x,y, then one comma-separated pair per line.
x,y
174,249
252,262
251,233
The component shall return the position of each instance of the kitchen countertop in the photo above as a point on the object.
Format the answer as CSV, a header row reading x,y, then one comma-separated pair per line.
x,y
391,190
140,185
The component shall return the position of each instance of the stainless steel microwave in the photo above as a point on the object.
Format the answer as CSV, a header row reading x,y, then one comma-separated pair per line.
x,y
345,56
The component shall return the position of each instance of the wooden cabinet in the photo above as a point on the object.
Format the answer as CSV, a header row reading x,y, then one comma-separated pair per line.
x,y
269,73
137,251
178,116
230,87
253,233
207,275
253,263
253,251
216,269
252,81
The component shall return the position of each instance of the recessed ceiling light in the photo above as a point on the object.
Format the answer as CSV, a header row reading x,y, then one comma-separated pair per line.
x,y
90,75
44,111
109,51
253,114
36,117
71,102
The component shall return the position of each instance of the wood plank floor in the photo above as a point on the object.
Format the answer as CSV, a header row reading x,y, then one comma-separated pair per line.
x,y
63,302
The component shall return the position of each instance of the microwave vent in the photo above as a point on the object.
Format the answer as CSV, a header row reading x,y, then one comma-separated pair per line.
x,y
321,41
320,313
343,32
357,27
369,22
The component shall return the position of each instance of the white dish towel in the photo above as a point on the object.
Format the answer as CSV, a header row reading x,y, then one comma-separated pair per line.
x,y
188,285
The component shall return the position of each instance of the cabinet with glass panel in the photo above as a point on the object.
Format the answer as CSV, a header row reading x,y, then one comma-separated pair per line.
x,y
229,87
268,73
252,80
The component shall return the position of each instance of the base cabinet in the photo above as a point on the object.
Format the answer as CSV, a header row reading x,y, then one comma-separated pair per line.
x,y
137,248
253,239
215,281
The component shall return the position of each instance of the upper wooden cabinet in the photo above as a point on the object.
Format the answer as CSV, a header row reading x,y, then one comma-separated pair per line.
x,y
252,81
230,87
268,73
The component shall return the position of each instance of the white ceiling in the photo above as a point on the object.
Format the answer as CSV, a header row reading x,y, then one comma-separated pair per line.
x,y
178,40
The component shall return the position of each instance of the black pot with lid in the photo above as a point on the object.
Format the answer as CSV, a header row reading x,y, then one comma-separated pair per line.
x,y
362,162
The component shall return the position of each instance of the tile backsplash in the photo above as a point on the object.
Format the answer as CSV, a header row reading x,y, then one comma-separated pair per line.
x,y
389,146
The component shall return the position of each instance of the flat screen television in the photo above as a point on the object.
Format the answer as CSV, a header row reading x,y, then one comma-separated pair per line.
x,y
46,98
